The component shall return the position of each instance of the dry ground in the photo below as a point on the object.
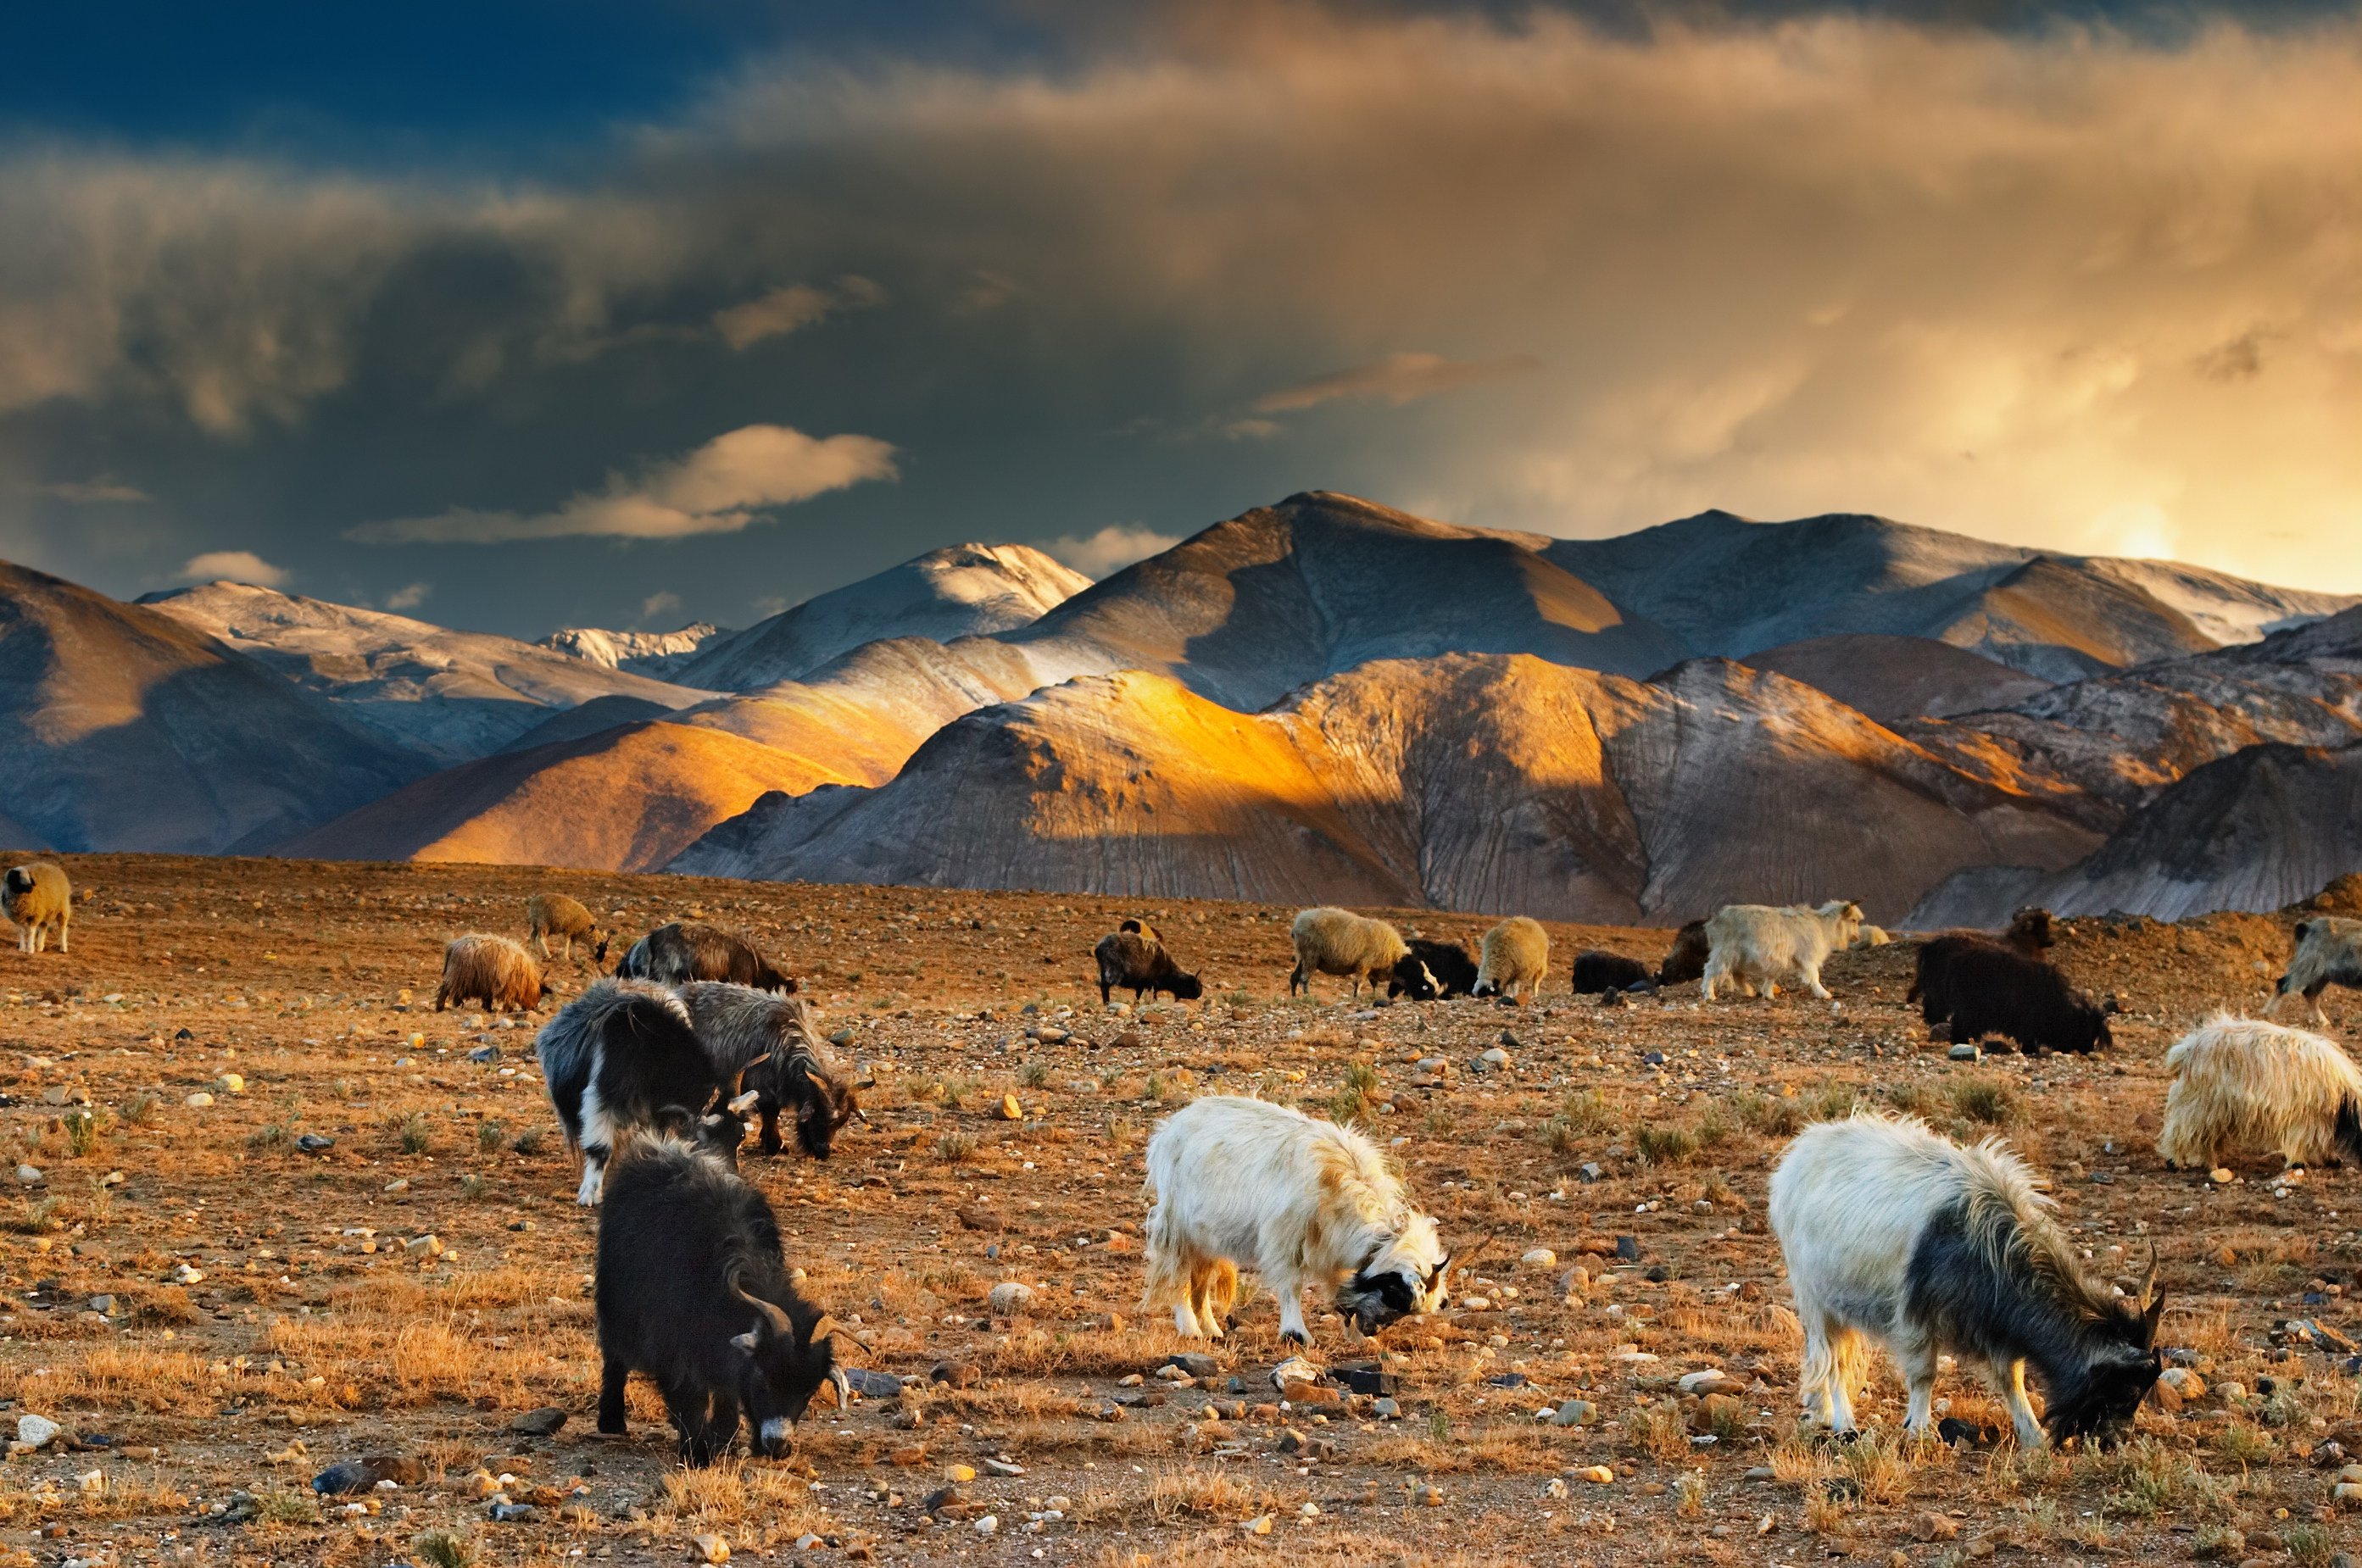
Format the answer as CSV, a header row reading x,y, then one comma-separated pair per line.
x,y
315,1335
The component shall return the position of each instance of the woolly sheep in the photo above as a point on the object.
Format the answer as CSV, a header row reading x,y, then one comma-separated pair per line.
x,y
491,969
2328,952
2241,1085
38,896
1752,944
1513,959
1339,942
1987,989
554,914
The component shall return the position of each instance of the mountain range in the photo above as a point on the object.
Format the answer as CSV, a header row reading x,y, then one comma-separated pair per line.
x,y
1323,699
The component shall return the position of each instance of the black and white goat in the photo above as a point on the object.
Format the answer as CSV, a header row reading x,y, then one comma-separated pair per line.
x,y
692,1291
624,1054
689,950
790,1067
1432,969
1893,1234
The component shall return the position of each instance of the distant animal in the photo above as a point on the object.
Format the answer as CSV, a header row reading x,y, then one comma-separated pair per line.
x,y
1139,962
554,915
1339,942
1302,1201
692,1291
1895,1234
2030,931
625,1055
1513,959
1431,970
1988,989
1596,973
2241,1086
38,898
789,1066
1871,937
688,950
493,971
1686,960
1759,944
2328,952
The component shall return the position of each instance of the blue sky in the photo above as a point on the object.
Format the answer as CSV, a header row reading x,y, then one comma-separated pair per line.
x,y
526,314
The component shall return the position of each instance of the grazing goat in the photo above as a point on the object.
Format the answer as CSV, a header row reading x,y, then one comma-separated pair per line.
x,y
1752,944
688,949
692,1290
491,969
1513,959
1893,1232
1432,969
2030,932
1339,942
1686,960
38,896
788,1063
624,1054
1595,973
2240,1085
1302,1201
1137,961
2328,952
554,915
1992,989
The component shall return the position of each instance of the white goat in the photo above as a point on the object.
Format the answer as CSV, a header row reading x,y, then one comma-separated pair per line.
x,y
1751,944
2240,1085
1301,1200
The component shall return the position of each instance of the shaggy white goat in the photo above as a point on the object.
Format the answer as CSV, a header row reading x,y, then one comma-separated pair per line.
x,y
2240,1085
1752,944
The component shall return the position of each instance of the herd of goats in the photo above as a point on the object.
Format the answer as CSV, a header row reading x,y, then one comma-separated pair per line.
x,y
1891,1232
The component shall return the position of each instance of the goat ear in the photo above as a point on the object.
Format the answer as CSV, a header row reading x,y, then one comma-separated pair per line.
x,y
747,1340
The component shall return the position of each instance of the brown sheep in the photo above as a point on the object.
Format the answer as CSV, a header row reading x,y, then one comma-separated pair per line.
x,y
491,969
38,896
554,915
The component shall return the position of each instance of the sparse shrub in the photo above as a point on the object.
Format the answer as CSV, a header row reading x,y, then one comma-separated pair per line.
x,y
1988,1101
2218,1542
1347,1106
472,1186
2309,1545
1914,1100
2242,1444
271,1137
1585,1112
141,1109
38,1217
288,1507
417,1138
529,1142
955,1147
1362,1078
1438,1122
441,1549
1665,1144
1769,1117
1154,1089
1659,1432
1689,1494
954,1092
84,1128
490,1136
1033,1074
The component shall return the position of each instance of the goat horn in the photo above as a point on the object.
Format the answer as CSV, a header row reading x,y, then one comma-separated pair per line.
x,y
2148,1281
745,1103
769,1310
1466,1260
837,1375
828,1328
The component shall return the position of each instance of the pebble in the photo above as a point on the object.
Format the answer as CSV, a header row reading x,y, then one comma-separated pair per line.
x,y
1259,1525
2221,1175
1192,1362
366,1475
1711,1380
313,1143
543,1422
1428,1497
186,1275
989,1524
1933,1526
198,1100
230,1083
37,1430
1965,1053
1009,1298
1539,1257
1387,1409
423,1247
1003,1467
1589,1170
30,1175
955,1373
1575,1413
2183,1382
1294,1369
709,1549
398,1184
1597,1475
1497,1057
1554,1489
959,1475
1010,1110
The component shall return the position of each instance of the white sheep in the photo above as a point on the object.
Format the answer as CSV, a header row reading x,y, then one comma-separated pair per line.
x,y
37,897
1302,1201
2240,1085
1337,942
1752,944
1513,959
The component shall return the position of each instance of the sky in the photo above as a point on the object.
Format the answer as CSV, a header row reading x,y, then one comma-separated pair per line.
x,y
521,314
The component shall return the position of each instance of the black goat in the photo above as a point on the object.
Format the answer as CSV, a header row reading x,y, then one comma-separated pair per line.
x,y
1992,989
1137,961
688,949
1686,961
1432,969
692,1290
1597,972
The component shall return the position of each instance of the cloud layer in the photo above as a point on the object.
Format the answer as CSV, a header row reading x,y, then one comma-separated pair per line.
x,y
238,565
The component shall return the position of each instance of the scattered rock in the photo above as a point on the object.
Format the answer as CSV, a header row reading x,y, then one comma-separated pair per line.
x,y
1711,1380
708,1547
1965,1053
2221,1175
543,1422
1387,1409
313,1143
35,1432
1259,1525
1294,1369
1009,1109
1009,1298
1628,1248
1427,1496
1364,1377
955,1373
230,1083
364,1474
1194,1363
1597,1475
423,1247
1574,1413
198,1100
872,1385
30,1175
979,1220
1539,1257
989,1524
1933,1526
1589,1170
1554,1489
1498,1058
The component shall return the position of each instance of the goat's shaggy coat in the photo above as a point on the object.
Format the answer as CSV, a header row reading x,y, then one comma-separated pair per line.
x,y
37,897
1137,961
1339,942
1686,960
688,950
692,1290
1987,989
781,1057
621,1055
1513,959
1893,1232
2030,932
2241,1086
1301,1201
1757,944
1596,972
1433,969
2328,952
493,971
551,915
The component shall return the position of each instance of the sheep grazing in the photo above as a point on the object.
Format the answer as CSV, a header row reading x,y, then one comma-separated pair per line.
x,y
1432,969
1686,960
1513,959
1897,1235
1137,961
2241,1085
1595,973
2029,933
1987,989
2328,952
1757,944
37,897
1871,937
625,1055
493,971
687,949
554,915
692,1291
1339,942
1301,1201
789,1066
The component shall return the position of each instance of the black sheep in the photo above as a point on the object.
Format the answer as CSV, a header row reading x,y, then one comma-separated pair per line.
x,y
1137,961
692,1291
2030,932
1994,990
684,950
1596,973
1432,969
